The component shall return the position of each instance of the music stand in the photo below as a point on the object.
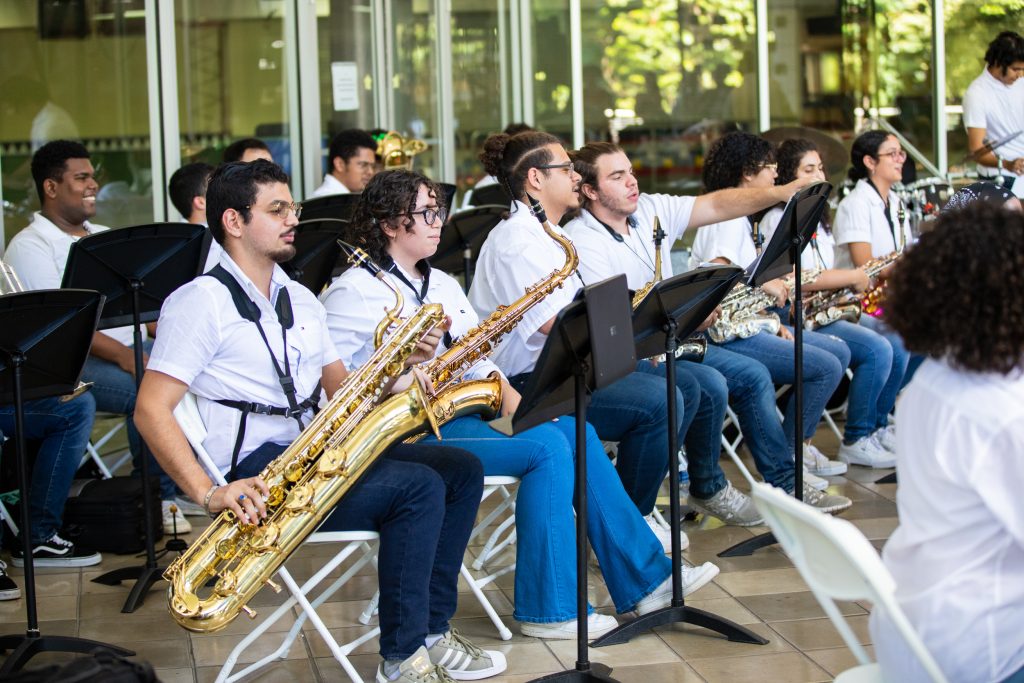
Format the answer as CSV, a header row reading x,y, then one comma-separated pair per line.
x,y
136,268
799,221
491,194
338,206
589,347
463,236
45,336
448,191
316,252
671,311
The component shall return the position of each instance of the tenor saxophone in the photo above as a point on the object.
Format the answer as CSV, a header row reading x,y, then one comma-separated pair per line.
x,y
742,308
306,481
826,307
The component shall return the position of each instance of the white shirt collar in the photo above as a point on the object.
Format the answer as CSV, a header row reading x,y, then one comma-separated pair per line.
x,y
278,279
51,231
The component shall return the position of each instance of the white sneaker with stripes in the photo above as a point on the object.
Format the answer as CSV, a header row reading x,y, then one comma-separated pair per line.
x,y
463,660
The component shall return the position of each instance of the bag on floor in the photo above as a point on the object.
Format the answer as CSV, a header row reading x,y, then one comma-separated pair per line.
x,y
102,666
109,514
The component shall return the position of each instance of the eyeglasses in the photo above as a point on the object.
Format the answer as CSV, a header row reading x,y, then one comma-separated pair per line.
x,y
567,165
281,209
895,155
431,215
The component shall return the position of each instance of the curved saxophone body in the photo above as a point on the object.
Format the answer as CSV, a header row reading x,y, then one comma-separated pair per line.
x,y
871,300
742,309
642,293
824,308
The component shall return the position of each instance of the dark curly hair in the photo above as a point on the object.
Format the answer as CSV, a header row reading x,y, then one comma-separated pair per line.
x,y
789,154
952,296
235,186
1007,48
51,160
510,157
389,196
732,156
867,144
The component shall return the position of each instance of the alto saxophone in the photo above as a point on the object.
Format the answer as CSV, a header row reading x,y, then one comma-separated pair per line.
x,y
871,300
306,481
826,307
742,311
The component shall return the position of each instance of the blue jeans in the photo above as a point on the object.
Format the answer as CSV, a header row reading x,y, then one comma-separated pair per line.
x,y
702,421
64,429
114,391
752,394
901,359
423,500
543,458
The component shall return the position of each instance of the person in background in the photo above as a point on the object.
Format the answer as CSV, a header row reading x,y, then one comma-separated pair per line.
x,y
187,190
247,149
351,162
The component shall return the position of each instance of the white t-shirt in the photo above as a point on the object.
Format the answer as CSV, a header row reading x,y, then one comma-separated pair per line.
x,y
357,301
204,343
39,254
958,553
819,252
861,218
729,239
467,199
602,255
518,254
999,109
329,186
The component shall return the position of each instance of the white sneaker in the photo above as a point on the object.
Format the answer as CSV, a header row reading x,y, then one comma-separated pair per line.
x,y
886,438
694,578
825,502
665,534
817,482
818,463
188,508
174,522
597,626
729,505
866,452
463,660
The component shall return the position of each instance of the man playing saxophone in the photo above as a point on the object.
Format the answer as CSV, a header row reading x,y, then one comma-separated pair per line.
x,y
243,371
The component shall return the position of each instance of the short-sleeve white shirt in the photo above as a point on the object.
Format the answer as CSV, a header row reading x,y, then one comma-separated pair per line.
x,y
729,239
518,254
999,109
329,186
861,218
958,553
602,255
357,301
39,254
819,252
206,344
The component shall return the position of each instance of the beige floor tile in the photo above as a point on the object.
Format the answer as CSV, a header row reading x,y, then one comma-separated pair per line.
x,y
761,582
51,584
59,627
766,558
691,643
242,624
725,607
874,508
876,528
470,607
533,657
676,672
109,605
132,627
164,654
791,667
290,671
837,659
646,648
343,635
48,608
814,634
341,614
214,649
176,675
789,606
330,670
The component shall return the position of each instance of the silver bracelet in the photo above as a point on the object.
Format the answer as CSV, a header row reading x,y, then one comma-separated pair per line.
x,y
207,497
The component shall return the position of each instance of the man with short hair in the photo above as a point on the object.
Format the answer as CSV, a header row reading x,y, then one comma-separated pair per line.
x,y
247,149
187,189
66,182
351,162
994,110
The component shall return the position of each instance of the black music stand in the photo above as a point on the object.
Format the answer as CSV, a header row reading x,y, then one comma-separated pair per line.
x,y
589,347
448,191
45,336
799,221
671,311
136,268
463,236
338,206
494,193
316,252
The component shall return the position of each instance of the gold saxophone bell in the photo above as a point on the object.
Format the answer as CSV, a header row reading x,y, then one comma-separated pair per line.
x,y
397,151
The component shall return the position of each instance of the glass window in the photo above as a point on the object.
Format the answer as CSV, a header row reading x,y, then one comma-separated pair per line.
x,y
414,78
76,70
552,68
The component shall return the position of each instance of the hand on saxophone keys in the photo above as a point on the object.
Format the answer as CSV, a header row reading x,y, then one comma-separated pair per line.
x,y
244,497
427,345
406,379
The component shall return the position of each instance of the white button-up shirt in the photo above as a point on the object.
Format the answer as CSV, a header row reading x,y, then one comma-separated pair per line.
x,y
861,218
39,254
357,301
329,186
999,109
729,239
518,254
958,553
206,344
820,252
602,256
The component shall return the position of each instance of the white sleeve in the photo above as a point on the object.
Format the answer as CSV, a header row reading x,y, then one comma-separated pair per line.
x,y
974,109
351,321
190,333
721,240
674,213
995,475
853,222
595,260
32,260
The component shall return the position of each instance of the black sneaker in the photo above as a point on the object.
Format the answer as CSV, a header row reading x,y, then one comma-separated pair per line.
x,y
8,589
57,552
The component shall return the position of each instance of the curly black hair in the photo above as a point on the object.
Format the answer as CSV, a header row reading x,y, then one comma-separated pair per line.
x,y
732,156
1004,50
51,160
389,196
953,296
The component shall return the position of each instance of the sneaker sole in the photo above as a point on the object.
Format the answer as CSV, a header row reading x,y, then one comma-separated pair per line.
x,y
703,579
499,665
832,471
60,561
724,519
12,594
528,628
833,509
878,464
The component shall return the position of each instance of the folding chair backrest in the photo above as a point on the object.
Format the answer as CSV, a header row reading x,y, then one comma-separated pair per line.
x,y
186,414
838,563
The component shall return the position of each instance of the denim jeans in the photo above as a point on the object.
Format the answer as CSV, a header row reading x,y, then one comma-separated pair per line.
x,y
900,360
543,458
704,424
871,358
114,391
423,500
752,394
64,428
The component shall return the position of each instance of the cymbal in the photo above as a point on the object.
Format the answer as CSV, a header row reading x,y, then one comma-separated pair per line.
x,y
833,153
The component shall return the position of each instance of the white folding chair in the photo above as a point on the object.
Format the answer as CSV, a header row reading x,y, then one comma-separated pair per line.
x,y
838,563
93,448
187,416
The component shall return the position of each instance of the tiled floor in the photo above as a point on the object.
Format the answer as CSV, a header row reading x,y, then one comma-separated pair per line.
x,y
762,591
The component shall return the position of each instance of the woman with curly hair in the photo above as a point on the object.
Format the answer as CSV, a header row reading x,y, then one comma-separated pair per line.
x,y
398,223
877,356
958,552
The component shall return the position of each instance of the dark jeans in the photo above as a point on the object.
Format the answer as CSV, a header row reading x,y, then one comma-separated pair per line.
x,y
423,500
64,428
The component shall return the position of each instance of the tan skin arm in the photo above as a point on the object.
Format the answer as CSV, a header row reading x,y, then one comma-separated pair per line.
x,y
976,141
734,202
860,253
109,349
839,278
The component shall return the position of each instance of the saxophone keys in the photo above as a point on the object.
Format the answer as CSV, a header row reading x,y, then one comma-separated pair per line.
x,y
266,538
300,499
273,586
249,611
226,549
276,496
333,463
226,584
293,472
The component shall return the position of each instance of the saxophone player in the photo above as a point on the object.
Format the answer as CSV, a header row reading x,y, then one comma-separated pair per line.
x,y
398,223
244,372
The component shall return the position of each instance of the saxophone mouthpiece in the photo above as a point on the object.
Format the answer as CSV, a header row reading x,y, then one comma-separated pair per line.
x,y
537,209
358,257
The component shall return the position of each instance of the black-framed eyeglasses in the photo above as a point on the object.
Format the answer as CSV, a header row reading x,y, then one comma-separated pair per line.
x,y
281,209
431,215
568,165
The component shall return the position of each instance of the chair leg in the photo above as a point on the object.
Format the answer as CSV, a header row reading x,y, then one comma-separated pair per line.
x,y
5,513
503,631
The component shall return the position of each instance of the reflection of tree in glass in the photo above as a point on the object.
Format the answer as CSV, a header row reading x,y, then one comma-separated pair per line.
x,y
970,27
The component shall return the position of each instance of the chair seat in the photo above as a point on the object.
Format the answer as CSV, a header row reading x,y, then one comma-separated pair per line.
x,y
865,673
341,536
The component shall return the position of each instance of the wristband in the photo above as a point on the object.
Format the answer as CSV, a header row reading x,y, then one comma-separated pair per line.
x,y
207,497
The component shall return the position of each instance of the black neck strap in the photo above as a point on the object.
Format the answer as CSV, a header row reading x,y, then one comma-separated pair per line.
x,y
421,294
888,216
